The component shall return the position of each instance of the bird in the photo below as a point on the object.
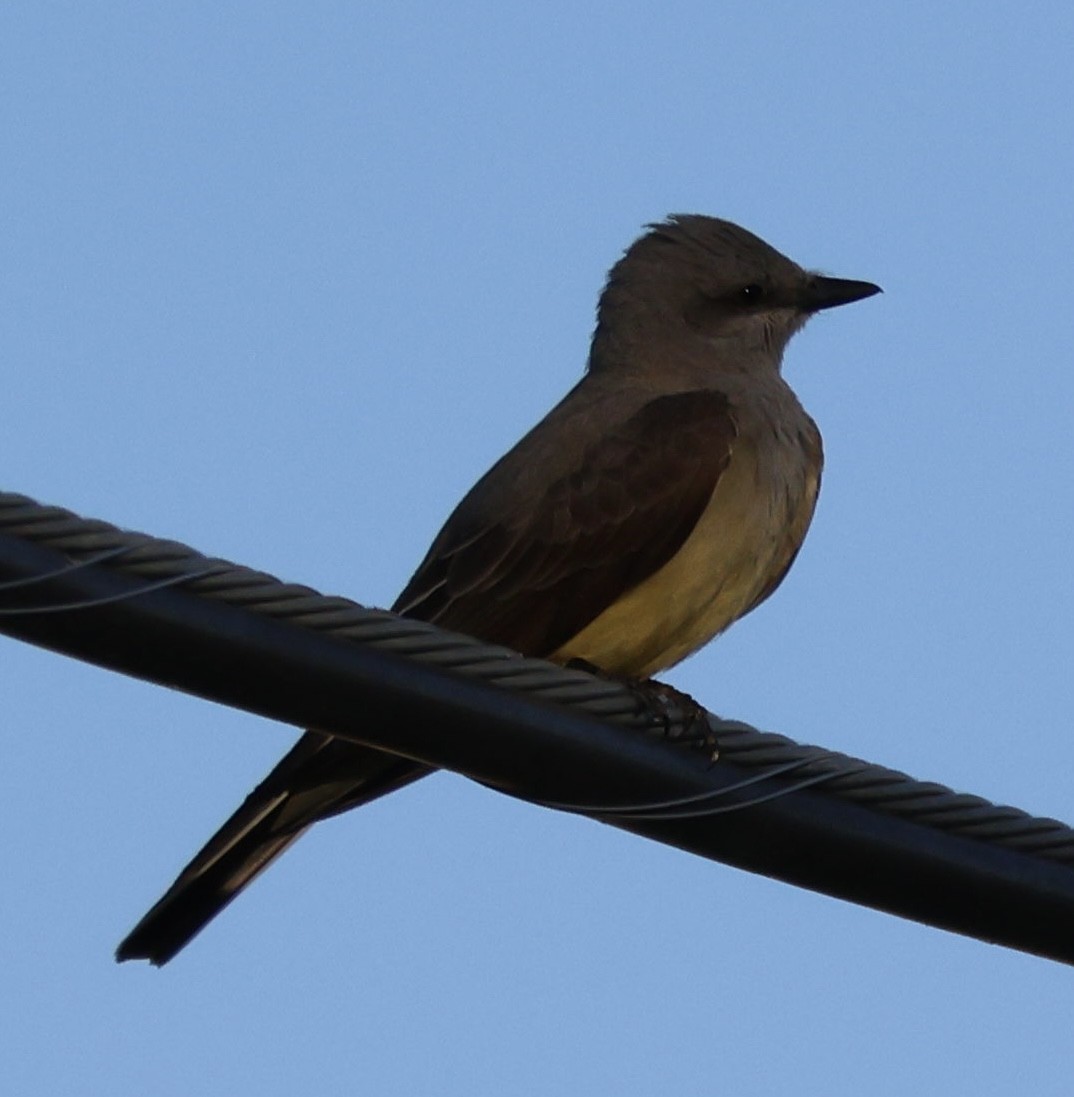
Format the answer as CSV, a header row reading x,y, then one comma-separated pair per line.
x,y
663,498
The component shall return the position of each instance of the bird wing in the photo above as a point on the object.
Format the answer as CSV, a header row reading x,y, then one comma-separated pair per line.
x,y
533,573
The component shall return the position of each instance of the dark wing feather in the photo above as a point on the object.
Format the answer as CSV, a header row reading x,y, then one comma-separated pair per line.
x,y
534,575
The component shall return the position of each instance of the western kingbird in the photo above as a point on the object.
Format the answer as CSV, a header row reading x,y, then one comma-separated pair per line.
x,y
664,497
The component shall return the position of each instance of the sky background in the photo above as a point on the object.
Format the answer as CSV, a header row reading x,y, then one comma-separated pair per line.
x,y
280,281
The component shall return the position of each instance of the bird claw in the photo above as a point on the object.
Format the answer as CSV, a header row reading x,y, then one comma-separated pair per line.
x,y
671,713
676,715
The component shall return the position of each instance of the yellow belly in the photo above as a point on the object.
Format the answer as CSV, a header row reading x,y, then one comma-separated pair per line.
x,y
743,541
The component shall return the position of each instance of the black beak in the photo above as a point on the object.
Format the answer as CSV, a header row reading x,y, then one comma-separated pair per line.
x,y
825,293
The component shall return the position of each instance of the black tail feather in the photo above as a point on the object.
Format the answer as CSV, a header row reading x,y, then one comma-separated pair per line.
x,y
318,778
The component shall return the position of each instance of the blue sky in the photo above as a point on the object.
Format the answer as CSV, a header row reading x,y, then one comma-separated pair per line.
x,y
281,281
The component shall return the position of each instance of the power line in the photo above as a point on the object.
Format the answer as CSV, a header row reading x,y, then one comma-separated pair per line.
x,y
160,611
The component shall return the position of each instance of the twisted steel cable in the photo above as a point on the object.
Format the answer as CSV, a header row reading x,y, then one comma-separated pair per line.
x,y
782,765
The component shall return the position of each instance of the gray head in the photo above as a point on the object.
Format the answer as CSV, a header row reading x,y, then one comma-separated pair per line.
x,y
698,282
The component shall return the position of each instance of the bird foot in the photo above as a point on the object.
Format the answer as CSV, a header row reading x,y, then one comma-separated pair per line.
x,y
680,718
673,714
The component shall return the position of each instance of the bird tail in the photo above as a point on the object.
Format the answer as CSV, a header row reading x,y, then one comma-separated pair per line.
x,y
319,777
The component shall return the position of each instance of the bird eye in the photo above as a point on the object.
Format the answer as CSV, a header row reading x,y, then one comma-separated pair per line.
x,y
751,294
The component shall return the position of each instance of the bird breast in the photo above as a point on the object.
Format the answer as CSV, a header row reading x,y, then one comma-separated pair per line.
x,y
735,556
